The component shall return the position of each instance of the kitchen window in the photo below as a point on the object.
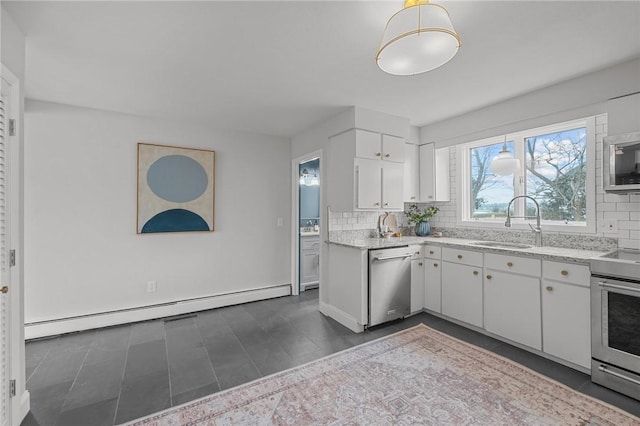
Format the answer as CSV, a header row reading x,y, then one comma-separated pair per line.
x,y
557,168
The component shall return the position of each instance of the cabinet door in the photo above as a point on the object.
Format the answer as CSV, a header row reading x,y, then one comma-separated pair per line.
x,y
393,148
462,292
427,172
512,307
417,285
368,184
392,186
308,267
441,174
411,173
566,322
432,284
368,145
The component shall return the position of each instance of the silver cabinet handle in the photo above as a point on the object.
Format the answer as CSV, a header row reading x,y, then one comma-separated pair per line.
x,y
604,284
402,256
604,369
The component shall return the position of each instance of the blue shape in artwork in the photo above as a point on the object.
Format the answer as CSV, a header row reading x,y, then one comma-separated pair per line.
x,y
175,220
177,178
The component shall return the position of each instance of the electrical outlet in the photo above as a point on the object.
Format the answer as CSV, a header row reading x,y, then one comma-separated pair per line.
x,y
152,286
610,226
280,222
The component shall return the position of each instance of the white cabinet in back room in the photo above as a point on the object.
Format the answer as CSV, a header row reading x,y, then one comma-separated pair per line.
x,y
434,173
309,260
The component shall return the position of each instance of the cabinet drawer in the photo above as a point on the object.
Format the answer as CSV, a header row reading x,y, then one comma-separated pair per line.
x,y
417,252
310,243
514,264
466,257
432,252
566,272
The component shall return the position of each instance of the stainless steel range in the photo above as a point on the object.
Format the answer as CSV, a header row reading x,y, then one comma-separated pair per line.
x,y
615,321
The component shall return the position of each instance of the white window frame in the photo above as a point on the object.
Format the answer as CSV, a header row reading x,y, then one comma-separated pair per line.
x,y
463,165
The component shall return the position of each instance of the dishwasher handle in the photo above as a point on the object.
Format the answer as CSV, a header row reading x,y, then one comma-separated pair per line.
x,y
402,256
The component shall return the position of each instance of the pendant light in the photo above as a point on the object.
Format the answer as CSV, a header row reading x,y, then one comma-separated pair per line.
x,y
417,39
504,163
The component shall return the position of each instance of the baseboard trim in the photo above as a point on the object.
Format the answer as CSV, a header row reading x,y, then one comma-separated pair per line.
x,y
106,319
25,405
342,317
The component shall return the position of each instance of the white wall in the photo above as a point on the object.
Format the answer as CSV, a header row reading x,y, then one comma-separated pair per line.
x,y
580,97
83,255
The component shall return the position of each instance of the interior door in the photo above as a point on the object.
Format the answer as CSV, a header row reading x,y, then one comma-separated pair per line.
x,y
5,326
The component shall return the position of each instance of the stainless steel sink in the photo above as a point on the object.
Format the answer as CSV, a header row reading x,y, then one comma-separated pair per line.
x,y
499,244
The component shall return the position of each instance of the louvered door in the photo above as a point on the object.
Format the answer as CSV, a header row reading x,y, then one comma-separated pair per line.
x,y
5,405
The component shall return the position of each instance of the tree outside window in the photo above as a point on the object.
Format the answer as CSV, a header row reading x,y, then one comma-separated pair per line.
x,y
554,173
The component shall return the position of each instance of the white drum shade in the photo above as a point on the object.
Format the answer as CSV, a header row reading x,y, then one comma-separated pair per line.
x,y
417,39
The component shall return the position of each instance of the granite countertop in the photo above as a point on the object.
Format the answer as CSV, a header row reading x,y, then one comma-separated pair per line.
x,y
549,253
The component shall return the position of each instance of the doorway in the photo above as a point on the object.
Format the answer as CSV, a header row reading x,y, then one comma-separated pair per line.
x,y
306,235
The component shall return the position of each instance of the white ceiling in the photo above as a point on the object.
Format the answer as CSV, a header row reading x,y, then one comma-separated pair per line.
x,y
279,67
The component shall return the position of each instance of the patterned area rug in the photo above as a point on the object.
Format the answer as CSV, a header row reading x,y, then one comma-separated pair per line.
x,y
416,376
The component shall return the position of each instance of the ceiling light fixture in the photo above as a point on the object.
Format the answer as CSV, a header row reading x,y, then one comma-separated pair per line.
x,y
504,163
417,39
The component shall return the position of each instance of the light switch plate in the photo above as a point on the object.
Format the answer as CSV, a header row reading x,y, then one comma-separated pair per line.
x,y
152,286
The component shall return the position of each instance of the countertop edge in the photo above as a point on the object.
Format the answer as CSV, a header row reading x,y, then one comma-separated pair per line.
x,y
543,253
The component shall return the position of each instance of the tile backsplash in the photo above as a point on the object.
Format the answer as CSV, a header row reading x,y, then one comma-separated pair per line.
x,y
624,209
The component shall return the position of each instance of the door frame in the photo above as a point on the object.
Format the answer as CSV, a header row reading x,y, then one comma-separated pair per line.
x,y
295,217
20,403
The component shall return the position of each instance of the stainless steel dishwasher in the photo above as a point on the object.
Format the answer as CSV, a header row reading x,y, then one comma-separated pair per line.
x,y
389,284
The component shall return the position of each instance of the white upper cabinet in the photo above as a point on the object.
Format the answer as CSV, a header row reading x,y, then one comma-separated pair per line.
x,y
366,171
377,146
392,182
411,176
434,173
393,148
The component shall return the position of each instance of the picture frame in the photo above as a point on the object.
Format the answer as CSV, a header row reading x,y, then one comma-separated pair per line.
x,y
175,189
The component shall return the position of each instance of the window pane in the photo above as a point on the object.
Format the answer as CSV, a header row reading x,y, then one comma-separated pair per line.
x,y
490,193
556,172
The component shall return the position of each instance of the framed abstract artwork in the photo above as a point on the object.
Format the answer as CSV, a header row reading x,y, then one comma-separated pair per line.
x,y
176,189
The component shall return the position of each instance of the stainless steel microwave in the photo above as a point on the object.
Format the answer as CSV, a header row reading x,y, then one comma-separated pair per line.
x,y
621,163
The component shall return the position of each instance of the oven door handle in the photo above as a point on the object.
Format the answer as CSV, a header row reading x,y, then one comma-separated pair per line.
x,y
605,284
604,369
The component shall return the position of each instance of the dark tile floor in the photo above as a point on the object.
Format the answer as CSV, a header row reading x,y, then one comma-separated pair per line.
x,y
112,375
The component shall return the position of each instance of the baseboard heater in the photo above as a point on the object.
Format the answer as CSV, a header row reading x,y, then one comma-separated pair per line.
x,y
39,329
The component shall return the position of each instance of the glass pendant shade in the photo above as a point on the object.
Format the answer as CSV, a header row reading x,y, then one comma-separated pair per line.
x,y
504,163
417,39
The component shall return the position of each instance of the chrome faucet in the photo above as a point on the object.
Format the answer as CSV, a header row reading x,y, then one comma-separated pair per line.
x,y
537,229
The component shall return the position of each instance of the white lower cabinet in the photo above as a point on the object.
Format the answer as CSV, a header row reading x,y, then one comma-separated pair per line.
x,y
566,319
309,260
462,291
512,298
512,307
417,285
433,278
